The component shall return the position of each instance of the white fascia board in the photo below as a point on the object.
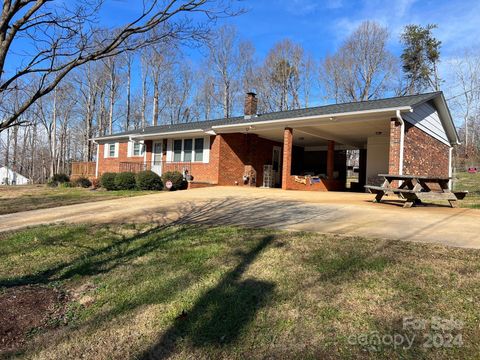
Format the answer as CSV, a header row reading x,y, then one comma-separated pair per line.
x,y
167,134
448,125
303,118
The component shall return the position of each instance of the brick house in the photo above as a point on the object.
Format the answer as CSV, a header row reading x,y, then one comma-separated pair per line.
x,y
301,149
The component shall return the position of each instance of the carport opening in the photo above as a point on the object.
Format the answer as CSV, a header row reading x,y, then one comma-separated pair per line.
x,y
313,162
349,165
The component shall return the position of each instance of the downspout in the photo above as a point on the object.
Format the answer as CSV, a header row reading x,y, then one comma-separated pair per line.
x,y
450,172
96,162
402,137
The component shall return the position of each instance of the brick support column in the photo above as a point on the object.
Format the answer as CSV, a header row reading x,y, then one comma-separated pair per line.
x,y
330,159
287,156
394,154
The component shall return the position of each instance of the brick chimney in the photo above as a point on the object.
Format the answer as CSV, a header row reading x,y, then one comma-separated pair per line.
x,y
250,104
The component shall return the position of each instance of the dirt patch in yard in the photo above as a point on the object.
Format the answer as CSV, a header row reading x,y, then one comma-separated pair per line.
x,y
26,310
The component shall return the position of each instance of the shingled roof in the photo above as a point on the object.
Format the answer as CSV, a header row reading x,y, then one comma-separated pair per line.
x,y
379,104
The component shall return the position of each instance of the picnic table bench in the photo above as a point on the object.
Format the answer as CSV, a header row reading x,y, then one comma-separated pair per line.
x,y
414,189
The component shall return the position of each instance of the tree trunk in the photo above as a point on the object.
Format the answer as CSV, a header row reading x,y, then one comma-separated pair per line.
x,y
53,143
155,101
144,99
129,66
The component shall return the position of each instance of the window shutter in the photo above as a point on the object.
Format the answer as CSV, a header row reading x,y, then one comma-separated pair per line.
x,y
130,148
169,150
206,149
106,150
116,149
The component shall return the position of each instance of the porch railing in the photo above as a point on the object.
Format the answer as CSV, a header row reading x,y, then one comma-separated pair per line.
x,y
136,167
83,168
177,166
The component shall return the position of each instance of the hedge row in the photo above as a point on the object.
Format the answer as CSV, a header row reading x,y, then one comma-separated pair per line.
x,y
144,180
63,180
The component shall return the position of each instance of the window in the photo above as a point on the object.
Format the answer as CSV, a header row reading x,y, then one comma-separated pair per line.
x,y
187,150
137,149
199,149
177,150
111,150
157,153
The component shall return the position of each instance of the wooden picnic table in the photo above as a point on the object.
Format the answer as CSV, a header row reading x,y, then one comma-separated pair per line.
x,y
414,189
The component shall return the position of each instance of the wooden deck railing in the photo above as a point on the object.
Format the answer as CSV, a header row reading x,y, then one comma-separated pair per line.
x,y
135,167
83,168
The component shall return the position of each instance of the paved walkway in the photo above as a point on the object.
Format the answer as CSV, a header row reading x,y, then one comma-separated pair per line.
x,y
340,213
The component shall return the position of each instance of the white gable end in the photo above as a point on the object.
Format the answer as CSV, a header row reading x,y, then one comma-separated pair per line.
x,y
426,118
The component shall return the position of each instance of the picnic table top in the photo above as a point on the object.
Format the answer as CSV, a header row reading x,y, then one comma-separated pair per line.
x,y
420,177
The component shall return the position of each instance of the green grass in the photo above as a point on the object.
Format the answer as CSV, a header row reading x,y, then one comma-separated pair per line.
x,y
22,198
246,293
470,182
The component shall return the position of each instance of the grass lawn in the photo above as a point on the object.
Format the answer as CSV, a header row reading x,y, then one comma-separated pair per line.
x,y
22,198
470,182
192,292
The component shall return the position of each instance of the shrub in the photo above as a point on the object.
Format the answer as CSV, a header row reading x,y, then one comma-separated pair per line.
x,y
82,182
178,182
57,179
65,185
125,181
148,180
107,181
60,178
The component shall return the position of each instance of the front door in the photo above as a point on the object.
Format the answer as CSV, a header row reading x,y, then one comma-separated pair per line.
x,y
157,157
276,159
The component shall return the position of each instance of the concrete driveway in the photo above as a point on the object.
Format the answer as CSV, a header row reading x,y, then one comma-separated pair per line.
x,y
339,213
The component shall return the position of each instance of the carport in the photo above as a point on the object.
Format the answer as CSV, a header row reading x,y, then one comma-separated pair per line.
x,y
313,151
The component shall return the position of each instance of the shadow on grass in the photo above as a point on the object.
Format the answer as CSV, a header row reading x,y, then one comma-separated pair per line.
x,y
229,211
220,315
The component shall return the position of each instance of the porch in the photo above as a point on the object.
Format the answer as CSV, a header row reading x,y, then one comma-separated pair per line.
x,y
88,168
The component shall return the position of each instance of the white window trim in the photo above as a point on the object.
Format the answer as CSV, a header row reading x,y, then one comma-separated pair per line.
x,y
106,150
206,150
131,148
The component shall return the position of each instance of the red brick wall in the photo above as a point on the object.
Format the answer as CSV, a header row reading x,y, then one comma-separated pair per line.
x,y
203,172
423,154
287,157
236,151
229,156
323,185
113,164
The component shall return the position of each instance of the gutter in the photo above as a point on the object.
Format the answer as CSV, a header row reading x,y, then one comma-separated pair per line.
x,y
145,136
325,116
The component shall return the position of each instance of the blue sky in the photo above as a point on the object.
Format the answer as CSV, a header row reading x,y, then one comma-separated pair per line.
x,y
320,26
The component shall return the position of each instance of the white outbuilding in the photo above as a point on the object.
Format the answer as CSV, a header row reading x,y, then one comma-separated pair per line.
x,y
10,177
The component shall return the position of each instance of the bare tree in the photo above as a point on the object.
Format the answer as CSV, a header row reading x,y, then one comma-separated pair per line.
x,y
112,71
63,37
465,103
362,68
128,62
229,58
158,59
279,78
467,80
